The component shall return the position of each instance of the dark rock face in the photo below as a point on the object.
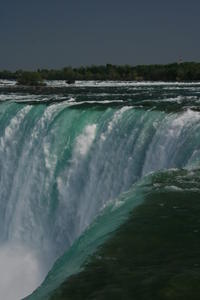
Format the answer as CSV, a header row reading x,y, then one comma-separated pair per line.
x,y
70,81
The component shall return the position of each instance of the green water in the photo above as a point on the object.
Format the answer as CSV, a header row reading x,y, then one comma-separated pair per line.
x,y
155,254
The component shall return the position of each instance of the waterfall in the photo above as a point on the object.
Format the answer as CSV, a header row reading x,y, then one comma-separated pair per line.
x,y
60,167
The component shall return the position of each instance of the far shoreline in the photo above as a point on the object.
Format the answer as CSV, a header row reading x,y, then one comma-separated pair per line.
x,y
173,72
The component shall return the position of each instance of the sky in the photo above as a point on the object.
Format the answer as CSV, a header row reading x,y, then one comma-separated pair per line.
x,y
58,33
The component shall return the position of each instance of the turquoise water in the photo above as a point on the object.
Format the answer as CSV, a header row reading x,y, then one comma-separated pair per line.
x,y
73,166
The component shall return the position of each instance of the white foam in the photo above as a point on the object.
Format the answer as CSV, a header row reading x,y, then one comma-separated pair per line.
x,y
5,82
108,83
84,141
171,134
12,128
114,121
20,272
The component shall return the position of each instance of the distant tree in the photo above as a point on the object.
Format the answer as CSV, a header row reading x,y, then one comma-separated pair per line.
x,y
30,79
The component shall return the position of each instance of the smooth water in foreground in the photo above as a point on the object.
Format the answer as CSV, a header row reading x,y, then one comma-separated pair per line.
x,y
73,166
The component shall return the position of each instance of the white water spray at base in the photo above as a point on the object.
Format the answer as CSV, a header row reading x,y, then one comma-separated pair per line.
x,y
20,272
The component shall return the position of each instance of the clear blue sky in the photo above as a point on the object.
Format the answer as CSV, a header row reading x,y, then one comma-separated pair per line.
x,y
58,33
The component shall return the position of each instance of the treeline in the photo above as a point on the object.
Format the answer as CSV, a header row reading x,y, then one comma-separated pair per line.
x,y
188,71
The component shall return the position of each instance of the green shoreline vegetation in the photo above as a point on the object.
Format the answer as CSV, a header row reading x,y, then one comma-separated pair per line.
x,y
30,79
187,71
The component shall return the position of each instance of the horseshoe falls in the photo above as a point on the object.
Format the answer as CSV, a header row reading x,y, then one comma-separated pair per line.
x,y
73,166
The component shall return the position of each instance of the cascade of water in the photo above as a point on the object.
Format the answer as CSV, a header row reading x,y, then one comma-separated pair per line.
x,y
61,166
